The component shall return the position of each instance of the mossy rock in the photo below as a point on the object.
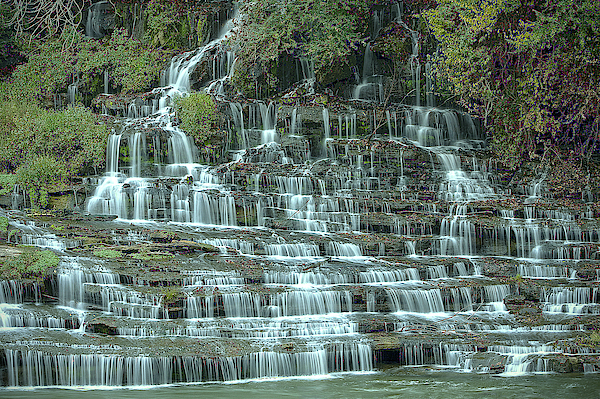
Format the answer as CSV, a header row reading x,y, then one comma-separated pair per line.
x,y
107,253
163,236
3,225
152,256
336,73
31,263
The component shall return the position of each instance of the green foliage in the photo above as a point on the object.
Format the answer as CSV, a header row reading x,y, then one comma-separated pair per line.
x,y
166,25
30,264
3,224
56,63
132,64
9,53
39,176
107,253
46,72
327,32
198,115
530,70
74,137
7,183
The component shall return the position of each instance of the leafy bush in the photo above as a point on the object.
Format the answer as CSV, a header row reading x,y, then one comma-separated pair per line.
x,y
73,140
133,65
72,58
73,136
7,184
198,115
30,264
38,176
166,26
327,32
530,70
48,70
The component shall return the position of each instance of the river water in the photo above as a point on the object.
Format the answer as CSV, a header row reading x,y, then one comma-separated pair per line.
x,y
393,383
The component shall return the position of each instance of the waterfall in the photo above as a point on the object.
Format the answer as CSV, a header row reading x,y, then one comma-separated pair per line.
x,y
371,86
386,251
419,301
575,300
308,74
457,233
343,249
292,250
269,119
326,132
118,370
385,276
73,93
112,196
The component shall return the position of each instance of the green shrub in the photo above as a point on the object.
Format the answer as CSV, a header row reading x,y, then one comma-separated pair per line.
x,y
328,32
3,224
133,65
30,264
73,137
7,183
56,63
530,73
198,115
166,26
48,70
39,176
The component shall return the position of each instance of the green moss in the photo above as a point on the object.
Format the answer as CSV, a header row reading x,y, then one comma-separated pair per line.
x,y
163,236
170,294
518,279
30,264
107,253
57,227
198,115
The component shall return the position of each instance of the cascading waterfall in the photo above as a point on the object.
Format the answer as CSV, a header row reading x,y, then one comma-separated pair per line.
x,y
130,198
117,370
296,266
